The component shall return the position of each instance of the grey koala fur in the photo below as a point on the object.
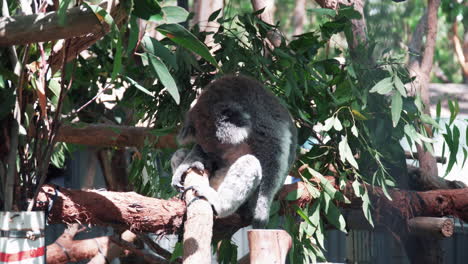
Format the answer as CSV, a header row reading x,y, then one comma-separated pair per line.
x,y
246,139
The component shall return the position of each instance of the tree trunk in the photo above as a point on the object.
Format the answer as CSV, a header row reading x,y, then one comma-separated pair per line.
x,y
203,9
461,50
299,17
267,16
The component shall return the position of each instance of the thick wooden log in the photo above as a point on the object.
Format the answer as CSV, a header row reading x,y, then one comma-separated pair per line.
x,y
268,246
127,210
198,227
132,211
42,27
435,227
112,136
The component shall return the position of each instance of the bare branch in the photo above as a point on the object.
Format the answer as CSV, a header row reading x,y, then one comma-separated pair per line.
x,y
19,30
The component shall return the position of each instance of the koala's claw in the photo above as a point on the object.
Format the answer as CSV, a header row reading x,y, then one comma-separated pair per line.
x,y
184,191
197,165
179,187
204,192
177,178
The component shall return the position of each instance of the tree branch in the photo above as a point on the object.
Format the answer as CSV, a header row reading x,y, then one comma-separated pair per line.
x,y
112,136
42,27
421,69
135,212
77,45
429,47
415,45
459,49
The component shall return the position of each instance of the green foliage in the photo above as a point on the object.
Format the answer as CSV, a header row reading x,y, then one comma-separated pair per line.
x,y
227,252
354,114
149,173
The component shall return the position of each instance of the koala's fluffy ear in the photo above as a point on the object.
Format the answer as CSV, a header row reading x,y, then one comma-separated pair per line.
x,y
233,123
232,113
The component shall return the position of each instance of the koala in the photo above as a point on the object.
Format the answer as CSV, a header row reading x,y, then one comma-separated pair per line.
x,y
247,141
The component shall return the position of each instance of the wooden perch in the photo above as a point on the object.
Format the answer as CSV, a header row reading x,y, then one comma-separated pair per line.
x,y
198,227
128,210
435,227
112,136
268,245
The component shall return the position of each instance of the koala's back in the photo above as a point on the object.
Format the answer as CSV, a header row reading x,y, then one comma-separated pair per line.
x,y
272,133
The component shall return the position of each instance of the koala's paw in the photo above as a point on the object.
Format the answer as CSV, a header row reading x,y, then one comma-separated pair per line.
x,y
179,173
205,191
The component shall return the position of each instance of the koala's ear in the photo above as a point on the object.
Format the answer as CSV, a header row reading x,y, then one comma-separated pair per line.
x,y
233,113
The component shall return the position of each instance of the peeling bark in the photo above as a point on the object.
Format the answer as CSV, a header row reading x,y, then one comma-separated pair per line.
x,y
135,212
127,210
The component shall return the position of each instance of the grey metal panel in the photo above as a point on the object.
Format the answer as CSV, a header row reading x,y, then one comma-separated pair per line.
x,y
335,246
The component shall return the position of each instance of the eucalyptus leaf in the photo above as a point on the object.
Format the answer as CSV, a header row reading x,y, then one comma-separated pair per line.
x,y
438,109
399,86
354,130
294,195
147,9
133,34
155,47
322,11
337,125
138,86
412,134
174,14
366,208
62,12
329,123
465,152
397,104
164,76
180,35
384,86
214,15
103,16
346,153
333,214
428,120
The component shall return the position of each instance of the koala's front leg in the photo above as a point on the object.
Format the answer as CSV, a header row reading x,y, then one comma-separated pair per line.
x,y
183,160
240,182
